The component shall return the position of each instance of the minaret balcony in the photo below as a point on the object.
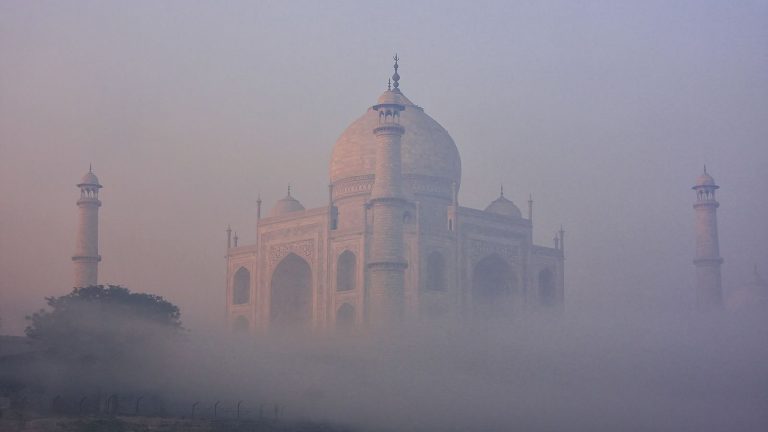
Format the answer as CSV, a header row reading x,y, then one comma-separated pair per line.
x,y
86,258
708,261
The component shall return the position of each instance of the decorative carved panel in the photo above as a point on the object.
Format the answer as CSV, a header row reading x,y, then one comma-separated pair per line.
x,y
490,231
479,249
292,232
302,248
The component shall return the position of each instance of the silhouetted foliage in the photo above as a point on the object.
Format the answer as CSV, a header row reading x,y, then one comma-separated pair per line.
x,y
103,322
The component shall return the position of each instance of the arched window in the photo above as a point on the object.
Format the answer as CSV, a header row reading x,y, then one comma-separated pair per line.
x,y
241,287
435,272
345,316
240,325
547,291
346,271
291,293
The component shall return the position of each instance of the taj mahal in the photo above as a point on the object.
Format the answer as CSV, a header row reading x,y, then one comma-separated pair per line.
x,y
393,243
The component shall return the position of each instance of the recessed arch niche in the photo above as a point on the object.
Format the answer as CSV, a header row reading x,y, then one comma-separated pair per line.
x,y
494,285
241,286
291,293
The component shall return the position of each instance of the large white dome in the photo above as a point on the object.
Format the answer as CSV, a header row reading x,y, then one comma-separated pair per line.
x,y
430,159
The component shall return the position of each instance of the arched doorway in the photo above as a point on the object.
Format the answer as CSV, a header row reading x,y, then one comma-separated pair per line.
x,y
345,316
291,293
494,285
241,286
346,272
435,272
547,292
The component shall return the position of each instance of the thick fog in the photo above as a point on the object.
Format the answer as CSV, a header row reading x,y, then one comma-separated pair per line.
x,y
586,369
605,111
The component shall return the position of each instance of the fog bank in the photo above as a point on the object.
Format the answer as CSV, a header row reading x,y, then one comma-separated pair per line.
x,y
580,370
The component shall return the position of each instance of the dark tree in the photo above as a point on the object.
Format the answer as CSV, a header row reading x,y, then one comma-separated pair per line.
x,y
103,323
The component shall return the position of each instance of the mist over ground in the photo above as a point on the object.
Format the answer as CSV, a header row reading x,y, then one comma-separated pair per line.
x,y
605,111
585,370
579,369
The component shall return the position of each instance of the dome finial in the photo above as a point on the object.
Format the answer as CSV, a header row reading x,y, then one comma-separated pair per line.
x,y
705,168
90,167
289,189
396,76
502,190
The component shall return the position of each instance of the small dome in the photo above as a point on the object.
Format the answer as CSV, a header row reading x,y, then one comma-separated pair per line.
x,y
705,180
504,207
286,205
89,179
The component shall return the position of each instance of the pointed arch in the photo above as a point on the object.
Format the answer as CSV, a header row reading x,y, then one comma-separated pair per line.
x,y
241,286
291,293
547,289
494,284
435,272
346,271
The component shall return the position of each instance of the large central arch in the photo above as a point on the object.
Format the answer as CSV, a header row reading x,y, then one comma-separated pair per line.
x,y
291,293
435,272
494,285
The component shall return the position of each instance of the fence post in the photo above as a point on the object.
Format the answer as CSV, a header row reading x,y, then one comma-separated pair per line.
x,y
55,404
138,401
80,405
112,405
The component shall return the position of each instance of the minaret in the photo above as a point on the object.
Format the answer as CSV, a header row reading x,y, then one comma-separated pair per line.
x,y
530,208
387,263
709,292
86,255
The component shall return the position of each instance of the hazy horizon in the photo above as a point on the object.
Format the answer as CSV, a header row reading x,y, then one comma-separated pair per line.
x,y
604,111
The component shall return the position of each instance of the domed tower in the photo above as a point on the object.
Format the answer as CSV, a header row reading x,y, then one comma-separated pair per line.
x,y
86,255
709,292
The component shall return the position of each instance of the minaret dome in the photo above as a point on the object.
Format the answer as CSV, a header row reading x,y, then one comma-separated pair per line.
x,y
707,260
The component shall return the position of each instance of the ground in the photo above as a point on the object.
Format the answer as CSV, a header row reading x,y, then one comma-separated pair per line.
x,y
156,424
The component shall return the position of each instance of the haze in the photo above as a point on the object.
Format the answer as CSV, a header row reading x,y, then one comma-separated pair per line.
x,y
605,111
